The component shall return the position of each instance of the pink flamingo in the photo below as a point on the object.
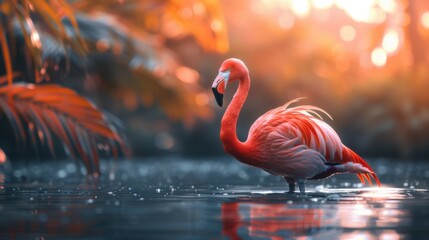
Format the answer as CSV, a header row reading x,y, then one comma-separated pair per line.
x,y
291,142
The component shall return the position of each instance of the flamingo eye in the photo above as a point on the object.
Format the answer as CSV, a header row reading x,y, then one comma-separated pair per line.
x,y
221,87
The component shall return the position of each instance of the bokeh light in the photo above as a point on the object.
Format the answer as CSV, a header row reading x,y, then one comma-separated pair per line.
x,y
300,7
425,19
347,33
202,99
187,75
379,57
391,41
322,4
164,141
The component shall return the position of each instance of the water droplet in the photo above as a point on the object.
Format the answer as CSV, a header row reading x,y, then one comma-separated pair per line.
x,y
158,190
70,168
111,176
141,199
62,173
90,201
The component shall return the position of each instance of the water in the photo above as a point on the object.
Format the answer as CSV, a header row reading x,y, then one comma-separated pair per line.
x,y
208,199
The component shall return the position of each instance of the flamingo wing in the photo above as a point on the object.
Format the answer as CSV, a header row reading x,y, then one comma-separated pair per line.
x,y
288,156
299,138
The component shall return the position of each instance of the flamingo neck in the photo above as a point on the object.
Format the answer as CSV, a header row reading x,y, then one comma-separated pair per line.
x,y
228,132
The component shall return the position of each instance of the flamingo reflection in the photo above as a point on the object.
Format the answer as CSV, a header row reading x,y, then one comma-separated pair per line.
x,y
2,177
272,220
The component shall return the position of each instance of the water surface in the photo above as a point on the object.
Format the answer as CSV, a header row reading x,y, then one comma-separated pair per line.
x,y
208,199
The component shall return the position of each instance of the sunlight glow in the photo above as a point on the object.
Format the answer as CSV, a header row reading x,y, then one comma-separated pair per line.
x,y
300,7
322,4
382,193
360,11
391,41
379,57
364,11
34,35
35,39
425,19
347,33
356,235
389,6
390,235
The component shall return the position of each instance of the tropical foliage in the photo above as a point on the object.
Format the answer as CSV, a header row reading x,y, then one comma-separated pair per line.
x,y
68,41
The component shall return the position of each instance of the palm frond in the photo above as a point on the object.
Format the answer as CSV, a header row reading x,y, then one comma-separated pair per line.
x,y
6,54
140,69
49,16
51,111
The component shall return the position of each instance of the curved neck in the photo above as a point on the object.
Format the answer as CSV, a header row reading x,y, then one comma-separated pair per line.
x,y
228,132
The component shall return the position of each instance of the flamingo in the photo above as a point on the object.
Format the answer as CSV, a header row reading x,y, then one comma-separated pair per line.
x,y
294,143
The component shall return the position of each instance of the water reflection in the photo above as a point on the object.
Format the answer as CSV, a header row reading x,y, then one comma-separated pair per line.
x,y
2,177
366,214
148,202
277,220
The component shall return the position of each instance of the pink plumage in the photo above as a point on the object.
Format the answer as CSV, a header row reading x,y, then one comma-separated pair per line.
x,y
293,142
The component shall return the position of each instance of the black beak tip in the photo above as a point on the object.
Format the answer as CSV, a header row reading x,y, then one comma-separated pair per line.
x,y
218,96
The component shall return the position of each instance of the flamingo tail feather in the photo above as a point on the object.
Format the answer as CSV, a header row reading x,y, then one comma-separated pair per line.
x,y
350,156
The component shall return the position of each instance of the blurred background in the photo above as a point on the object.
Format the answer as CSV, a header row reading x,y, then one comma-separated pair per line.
x,y
150,64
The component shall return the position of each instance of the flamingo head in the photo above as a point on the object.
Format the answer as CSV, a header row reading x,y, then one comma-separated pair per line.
x,y
231,70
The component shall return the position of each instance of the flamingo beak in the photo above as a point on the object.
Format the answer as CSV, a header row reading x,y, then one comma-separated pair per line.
x,y
219,88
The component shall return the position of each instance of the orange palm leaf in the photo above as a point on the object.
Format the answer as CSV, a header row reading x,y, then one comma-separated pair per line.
x,y
49,111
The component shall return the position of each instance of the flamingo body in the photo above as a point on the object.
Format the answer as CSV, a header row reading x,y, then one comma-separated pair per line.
x,y
291,142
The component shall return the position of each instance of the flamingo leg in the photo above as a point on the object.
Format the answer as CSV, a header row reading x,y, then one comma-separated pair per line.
x,y
301,186
291,183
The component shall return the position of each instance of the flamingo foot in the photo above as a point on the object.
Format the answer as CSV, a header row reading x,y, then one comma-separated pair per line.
x,y
291,183
301,186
